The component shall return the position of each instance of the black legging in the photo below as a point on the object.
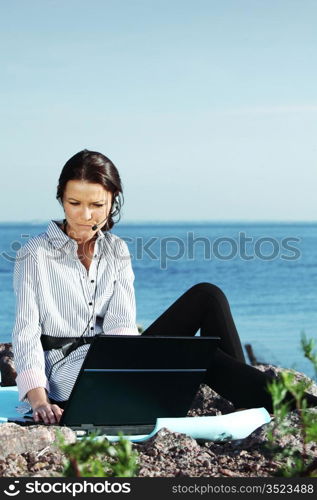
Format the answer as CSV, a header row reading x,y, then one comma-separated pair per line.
x,y
205,307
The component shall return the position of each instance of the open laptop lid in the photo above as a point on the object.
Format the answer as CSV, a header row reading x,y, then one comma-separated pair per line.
x,y
133,380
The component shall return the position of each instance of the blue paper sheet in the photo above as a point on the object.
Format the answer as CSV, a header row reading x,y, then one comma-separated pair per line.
x,y
236,425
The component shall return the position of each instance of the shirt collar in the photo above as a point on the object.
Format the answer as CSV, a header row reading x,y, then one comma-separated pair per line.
x,y
58,238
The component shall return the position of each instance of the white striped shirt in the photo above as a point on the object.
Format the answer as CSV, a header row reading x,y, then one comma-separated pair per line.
x,y
55,296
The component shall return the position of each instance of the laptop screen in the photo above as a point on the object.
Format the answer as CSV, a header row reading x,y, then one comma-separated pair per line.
x,y
133,380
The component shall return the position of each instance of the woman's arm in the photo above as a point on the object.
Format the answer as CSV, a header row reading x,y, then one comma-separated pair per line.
x,y
28,352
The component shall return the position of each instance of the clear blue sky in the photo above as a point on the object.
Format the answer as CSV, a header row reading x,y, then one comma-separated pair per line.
x,y
207,107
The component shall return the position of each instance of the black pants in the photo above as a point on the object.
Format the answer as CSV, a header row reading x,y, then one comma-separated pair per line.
x,y
205,307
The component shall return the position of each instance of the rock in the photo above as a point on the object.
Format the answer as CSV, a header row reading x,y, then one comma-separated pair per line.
x,y
7,368
208,402
276,370
18,439
173,452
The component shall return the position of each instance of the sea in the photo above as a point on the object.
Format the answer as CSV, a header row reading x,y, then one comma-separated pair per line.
x,y
268,272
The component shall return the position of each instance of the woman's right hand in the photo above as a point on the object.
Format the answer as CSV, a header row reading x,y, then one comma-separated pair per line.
x,y
48,413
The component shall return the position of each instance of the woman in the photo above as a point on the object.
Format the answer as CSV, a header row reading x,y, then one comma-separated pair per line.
x,y
75,280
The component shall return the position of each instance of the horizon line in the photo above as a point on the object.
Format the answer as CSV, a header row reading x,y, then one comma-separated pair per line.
x,y
181,221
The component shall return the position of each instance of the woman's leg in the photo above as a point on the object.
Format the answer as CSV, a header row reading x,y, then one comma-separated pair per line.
x,y
204,306
242,384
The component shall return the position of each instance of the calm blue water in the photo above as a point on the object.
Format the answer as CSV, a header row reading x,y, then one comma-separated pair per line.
x,y
270,279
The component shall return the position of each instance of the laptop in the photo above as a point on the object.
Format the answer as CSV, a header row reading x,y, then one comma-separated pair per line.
x,y
127,382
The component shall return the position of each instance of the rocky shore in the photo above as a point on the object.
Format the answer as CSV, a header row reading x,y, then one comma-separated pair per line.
x,y
30,451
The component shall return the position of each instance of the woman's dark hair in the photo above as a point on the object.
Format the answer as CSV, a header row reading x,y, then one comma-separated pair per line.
x,y
96,168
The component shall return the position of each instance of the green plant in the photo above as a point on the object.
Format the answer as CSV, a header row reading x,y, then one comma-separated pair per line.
x,y
307,347
297,461
94,456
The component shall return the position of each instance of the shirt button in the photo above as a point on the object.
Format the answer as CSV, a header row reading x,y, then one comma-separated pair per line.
x,y
92,281
91,328
90,303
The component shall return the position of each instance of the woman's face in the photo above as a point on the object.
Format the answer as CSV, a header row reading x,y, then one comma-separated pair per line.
x,y
85,204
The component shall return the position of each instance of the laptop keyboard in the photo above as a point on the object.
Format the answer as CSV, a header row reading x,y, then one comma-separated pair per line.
x,y
110,430
113,430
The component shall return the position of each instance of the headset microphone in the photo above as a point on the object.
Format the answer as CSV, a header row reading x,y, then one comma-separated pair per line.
x,y
99,224
93,227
